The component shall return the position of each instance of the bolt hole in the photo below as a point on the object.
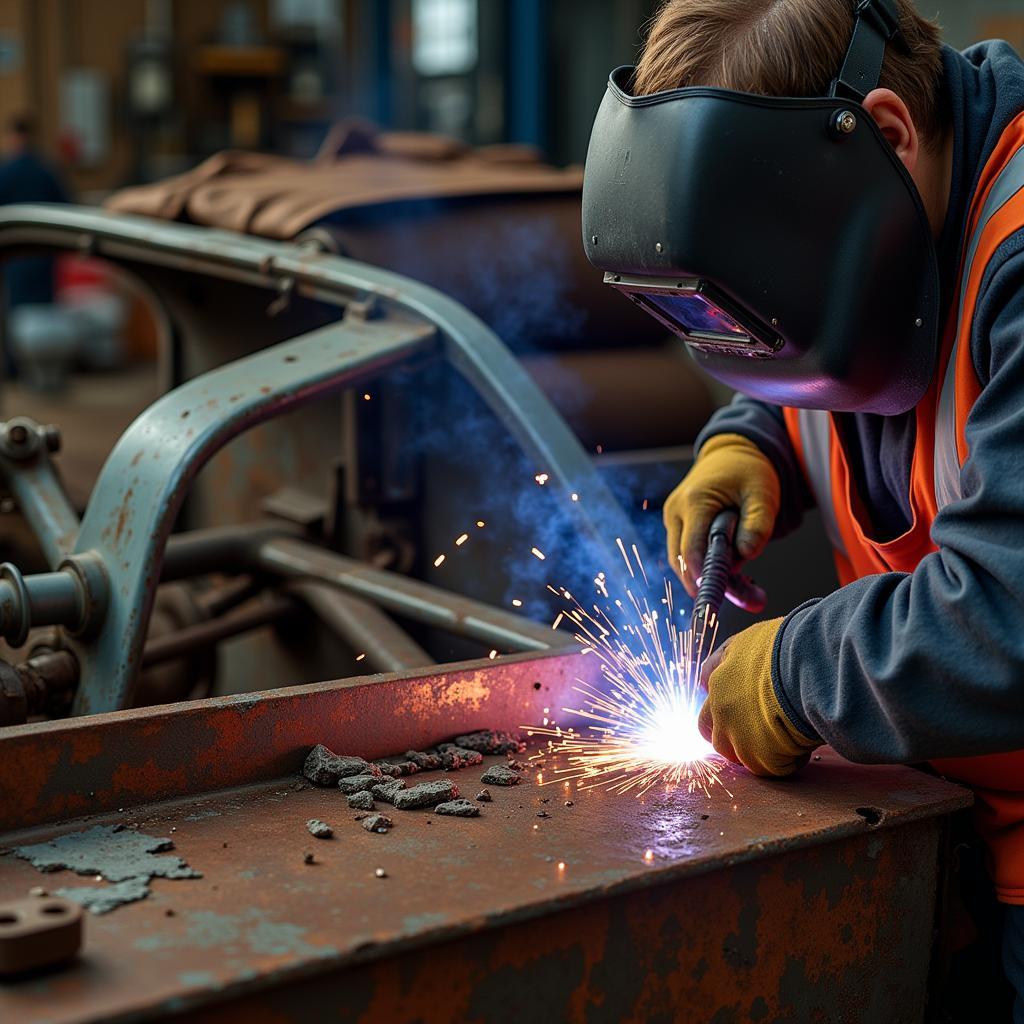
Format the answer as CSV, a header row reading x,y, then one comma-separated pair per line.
x,y
8,919
536,686
872,815
291,359
55,909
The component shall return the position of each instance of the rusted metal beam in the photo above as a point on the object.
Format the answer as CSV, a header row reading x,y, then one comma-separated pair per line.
x,y
807,900
123,758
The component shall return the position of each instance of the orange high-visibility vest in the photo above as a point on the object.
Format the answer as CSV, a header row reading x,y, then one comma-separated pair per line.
x,y
996,213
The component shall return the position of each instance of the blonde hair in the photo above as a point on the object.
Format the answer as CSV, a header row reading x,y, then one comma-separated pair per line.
x,y
785,48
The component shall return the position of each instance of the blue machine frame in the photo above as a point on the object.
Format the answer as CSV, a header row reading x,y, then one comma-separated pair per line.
x,y
105,569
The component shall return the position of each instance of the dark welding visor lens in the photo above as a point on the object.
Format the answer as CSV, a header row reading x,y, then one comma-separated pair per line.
x,y
694,310
698,316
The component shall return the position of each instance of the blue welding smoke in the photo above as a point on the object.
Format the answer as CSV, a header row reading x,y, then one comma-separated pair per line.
x,y
475,471
516,271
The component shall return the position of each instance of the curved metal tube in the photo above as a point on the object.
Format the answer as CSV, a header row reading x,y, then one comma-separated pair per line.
x,y
146,477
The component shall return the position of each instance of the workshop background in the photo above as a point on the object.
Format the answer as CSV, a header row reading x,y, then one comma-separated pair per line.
x,y
329,471
122,96
289,119
134,91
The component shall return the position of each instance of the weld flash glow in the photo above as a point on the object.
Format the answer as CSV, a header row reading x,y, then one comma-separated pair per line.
x,y
640,729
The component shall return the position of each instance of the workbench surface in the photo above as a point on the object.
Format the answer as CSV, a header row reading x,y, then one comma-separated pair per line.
x,y
259,915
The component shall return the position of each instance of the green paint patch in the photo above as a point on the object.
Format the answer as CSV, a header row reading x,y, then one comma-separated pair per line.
x,y
251,931
197,979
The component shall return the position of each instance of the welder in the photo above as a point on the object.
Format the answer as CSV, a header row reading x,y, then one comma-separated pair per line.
x,y
827,205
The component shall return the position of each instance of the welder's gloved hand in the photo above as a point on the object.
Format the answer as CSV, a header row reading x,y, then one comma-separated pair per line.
x,y
730,472
742,718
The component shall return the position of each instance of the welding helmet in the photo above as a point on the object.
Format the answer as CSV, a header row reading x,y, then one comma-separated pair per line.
x,y
781,238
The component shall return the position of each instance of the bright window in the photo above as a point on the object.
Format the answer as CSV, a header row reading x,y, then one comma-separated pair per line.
x,y
444,36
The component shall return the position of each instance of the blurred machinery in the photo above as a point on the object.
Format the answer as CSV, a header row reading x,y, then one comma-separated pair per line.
x,y
428,407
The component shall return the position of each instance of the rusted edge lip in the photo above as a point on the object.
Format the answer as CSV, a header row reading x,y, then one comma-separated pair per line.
x,y
245,701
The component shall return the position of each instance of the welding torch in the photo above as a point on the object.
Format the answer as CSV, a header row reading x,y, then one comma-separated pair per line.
x,y
715,573
718,578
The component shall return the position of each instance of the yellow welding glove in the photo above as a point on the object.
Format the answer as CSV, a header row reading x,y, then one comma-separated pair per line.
x,y
730,472
742,718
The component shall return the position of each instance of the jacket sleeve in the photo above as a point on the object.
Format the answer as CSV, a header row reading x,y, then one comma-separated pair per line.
x,y
764,425
912,667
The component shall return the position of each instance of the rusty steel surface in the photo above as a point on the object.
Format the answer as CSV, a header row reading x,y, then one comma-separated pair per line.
x,y
829,934
813,897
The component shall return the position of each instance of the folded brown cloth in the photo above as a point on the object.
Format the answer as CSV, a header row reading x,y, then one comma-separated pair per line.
x,y
277,197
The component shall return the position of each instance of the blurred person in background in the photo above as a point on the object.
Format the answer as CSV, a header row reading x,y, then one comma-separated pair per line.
x,y
34,325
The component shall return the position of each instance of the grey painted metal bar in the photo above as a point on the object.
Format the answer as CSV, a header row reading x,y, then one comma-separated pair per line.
x,y
229,549
411,598
145,479
42,599
45,505
33,482
203,635
386,646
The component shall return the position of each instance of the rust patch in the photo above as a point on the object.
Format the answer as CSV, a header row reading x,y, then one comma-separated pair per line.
x,y
123,515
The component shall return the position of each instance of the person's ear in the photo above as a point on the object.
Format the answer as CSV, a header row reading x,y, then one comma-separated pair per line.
x,y
893,117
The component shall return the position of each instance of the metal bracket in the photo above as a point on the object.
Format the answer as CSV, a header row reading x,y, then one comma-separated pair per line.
x,y
25,448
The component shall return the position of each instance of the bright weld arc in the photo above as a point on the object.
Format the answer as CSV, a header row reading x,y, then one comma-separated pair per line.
x,y
642,732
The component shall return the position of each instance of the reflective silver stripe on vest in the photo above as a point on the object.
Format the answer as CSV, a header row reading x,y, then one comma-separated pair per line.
x,y
816,439
947,459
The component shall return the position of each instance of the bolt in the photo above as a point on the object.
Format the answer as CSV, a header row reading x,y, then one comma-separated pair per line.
x,y
846,122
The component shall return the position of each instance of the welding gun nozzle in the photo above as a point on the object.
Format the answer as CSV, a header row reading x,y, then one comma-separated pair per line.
x,y
718,563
